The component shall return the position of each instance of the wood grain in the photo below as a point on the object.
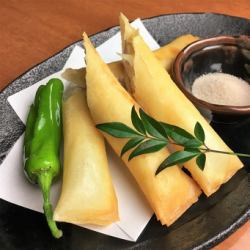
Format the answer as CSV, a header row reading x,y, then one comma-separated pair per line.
x,y
32,31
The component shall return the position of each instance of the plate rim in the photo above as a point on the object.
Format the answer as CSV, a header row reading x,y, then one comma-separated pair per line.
x,y
111,27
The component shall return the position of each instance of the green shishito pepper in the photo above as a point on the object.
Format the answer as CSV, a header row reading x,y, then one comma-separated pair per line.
x,y
42,143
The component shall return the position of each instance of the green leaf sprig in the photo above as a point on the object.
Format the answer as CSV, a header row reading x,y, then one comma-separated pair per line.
x,y
150,135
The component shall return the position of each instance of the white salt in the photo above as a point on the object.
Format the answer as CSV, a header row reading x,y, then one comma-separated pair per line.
x,y
221,88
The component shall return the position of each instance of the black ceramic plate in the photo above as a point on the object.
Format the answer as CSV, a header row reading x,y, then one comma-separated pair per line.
x,y
204,225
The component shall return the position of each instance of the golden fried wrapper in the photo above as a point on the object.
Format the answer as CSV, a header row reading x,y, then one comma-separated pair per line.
x,y
166,55
153,88
87,195
171,193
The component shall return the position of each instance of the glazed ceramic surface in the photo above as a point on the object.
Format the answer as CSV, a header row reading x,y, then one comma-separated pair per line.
x,y
226,54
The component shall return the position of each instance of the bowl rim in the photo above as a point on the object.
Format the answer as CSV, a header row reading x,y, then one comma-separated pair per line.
x,y
189,50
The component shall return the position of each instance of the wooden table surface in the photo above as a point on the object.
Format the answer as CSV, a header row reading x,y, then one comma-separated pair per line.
x,y
32,31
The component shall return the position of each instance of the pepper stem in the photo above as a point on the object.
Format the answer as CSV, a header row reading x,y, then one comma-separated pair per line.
x,y
44,181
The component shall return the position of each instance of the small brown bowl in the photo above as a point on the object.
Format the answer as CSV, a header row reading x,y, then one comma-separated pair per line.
x,y
227,54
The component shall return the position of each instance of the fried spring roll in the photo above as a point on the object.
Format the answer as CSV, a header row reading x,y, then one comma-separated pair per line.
x,y
169,194
155,91
166,55
77,76
88,195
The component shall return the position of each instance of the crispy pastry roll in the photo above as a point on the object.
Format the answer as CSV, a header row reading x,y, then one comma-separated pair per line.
x,y
169,194
87,195
77,76
166,55
154,90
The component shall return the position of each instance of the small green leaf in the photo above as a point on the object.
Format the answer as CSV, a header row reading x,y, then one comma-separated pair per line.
x,y
192,143
146,147
131,143
201,161
152,126
177,134
177,138
138,124
117,129
194,150
199,132
177,157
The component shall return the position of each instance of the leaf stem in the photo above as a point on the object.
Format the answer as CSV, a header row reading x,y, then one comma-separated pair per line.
x,y
206,149
150,135
155,138
228,153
